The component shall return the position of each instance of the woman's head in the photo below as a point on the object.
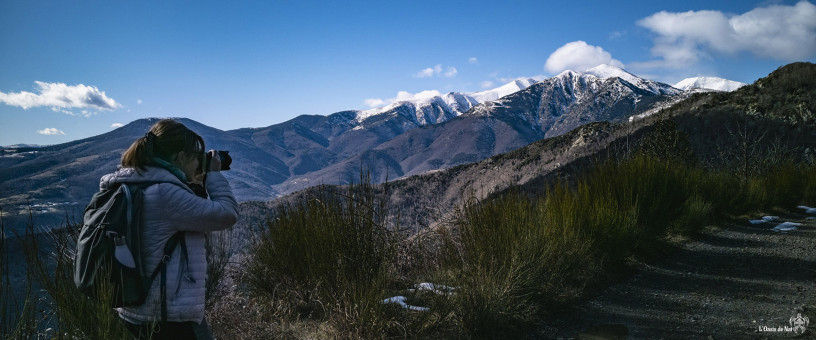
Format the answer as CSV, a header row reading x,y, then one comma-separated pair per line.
x,y
169,140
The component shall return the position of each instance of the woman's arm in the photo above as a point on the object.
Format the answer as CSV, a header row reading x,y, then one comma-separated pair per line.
x,y
189,212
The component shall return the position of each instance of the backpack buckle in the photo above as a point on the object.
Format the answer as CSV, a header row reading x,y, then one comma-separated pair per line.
x,y
118,240
165,259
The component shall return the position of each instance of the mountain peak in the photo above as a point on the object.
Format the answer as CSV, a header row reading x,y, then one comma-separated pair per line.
x,y
605,71
501,91
566,73
708,83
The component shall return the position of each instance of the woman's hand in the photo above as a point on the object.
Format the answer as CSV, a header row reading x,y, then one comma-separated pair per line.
x,y
215,161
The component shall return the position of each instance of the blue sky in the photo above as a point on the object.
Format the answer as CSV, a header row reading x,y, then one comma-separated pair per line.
x,y
74,69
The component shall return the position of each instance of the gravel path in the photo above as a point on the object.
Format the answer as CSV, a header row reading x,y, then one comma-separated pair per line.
x,y
737,281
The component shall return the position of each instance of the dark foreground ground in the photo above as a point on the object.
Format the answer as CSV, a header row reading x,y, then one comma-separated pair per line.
x,y
736,281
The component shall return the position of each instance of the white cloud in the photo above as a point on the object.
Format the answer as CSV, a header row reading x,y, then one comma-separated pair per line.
x,y
61,96
430,72
401,97
777,32
425,73
406,96
486,84
437,69
374,102
139,102
84,113
117,125
578,56
505,80
473,61
68,112
50,131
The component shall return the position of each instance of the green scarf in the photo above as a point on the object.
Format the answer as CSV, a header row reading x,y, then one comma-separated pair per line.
x,y
172,168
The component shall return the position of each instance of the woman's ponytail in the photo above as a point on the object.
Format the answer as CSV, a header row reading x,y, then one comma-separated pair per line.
x,y
139,154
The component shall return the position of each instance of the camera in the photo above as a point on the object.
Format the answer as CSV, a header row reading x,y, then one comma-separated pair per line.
x,y
223,155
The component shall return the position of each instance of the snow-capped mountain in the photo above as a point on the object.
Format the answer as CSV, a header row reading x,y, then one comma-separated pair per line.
x,y
708,84
608,71
397,140
429,108
391,142
425,110
559,104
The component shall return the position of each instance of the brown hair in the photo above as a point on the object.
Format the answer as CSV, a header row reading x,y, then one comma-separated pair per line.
x,y
164,139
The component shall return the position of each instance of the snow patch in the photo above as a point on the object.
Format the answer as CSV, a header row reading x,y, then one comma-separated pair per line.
x,y
434,288
808,210
764,219
399,299
421,287
787,226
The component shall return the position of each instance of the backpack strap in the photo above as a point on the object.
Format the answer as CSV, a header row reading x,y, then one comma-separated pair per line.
x,y
162,268
169,247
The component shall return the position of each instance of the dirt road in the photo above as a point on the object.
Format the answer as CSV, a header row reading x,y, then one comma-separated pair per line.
x,y
736,281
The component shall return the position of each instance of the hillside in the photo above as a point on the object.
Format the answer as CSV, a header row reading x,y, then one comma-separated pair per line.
x,y
57,181
396,141
705,160
669,263
758,125
549,108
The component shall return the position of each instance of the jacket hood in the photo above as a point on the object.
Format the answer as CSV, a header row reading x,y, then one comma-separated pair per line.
x,y
131,175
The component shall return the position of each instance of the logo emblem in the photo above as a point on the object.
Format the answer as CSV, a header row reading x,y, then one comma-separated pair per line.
x,y
799,323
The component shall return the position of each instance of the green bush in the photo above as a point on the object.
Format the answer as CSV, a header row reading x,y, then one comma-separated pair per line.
x,y
65,312
809,184
17,312
50,260
697,212
324,263
328,257
519,256
510,265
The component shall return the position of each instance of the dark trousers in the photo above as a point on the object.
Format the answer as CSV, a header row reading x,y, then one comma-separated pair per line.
x,y
169,330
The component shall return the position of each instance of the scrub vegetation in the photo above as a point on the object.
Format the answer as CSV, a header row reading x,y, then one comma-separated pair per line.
x,y
336,263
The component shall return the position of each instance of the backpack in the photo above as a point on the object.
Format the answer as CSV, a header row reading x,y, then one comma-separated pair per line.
x,y
108,256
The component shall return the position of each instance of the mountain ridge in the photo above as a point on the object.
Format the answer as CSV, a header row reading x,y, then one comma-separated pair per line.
x,y
784,104
312,149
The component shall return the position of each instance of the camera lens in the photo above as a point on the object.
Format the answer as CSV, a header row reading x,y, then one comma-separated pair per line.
x,y
225,158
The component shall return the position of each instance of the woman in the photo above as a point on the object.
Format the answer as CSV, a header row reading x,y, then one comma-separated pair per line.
x,y
172,155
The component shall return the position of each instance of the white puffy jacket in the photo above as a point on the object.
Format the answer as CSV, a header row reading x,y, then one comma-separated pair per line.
x,y
169,207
